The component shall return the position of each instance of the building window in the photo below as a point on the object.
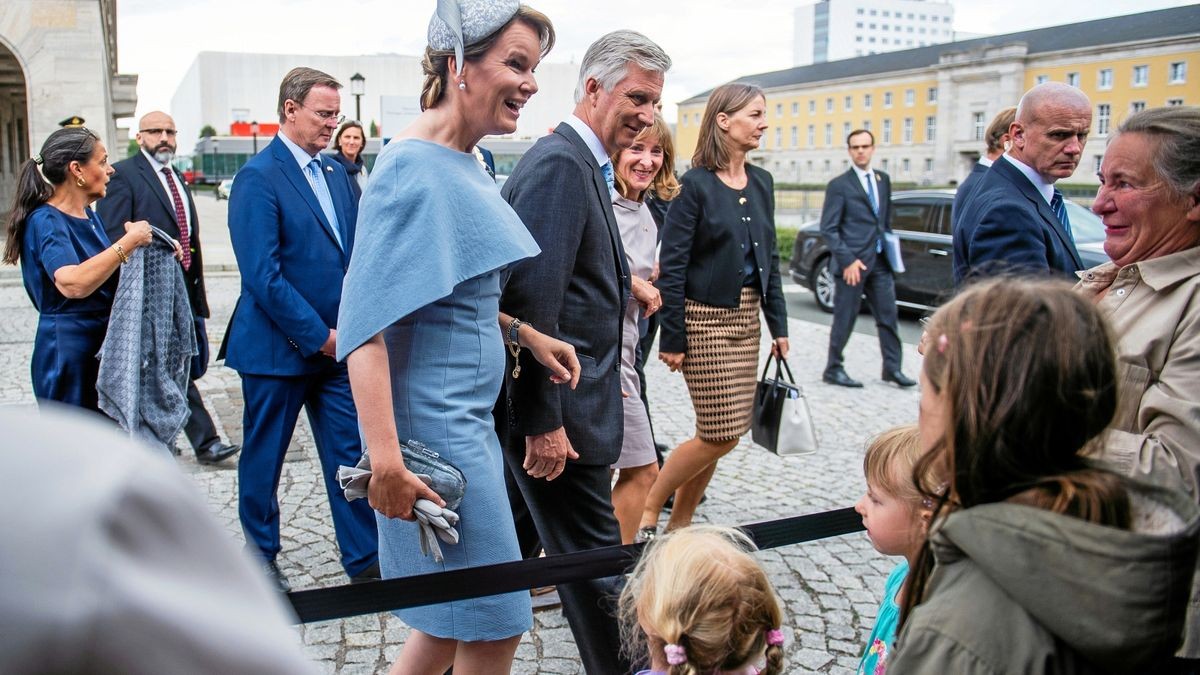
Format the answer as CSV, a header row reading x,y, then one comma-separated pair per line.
x,y
1177,72
809,164
826,166
795,136
812,107
874,13
886,14
1174,101
1103,115
979,124
910,97
887,99
908,130
812,136
866,125
858,38
696,119
848,103
683,120
795,108
829,105
866,101
1104,79
1141,76
828,135
1073,79
858,24
885,164
928,165
779,110
860,12
932,95
930,129
1042,79
846,129
904,165
1137,106
778,137
1096,159
887,132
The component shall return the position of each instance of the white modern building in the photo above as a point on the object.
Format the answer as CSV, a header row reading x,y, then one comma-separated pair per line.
x,y
221,88
830,30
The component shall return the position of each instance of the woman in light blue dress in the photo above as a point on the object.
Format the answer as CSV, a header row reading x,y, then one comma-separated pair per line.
x,y
421,330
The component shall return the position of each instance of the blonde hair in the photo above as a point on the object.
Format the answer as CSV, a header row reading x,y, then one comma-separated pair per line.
x,y
700,588
665,186
890,459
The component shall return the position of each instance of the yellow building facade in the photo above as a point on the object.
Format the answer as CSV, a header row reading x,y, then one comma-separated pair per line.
x,y
928,107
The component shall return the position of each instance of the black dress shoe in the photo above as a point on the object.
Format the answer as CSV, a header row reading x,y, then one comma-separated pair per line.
x,y
841,379
276,576
899,378
372,573
216,452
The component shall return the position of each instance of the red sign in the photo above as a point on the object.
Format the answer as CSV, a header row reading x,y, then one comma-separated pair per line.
x,y
243,129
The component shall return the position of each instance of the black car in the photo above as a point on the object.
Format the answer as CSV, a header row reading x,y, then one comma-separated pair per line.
x,y
922,221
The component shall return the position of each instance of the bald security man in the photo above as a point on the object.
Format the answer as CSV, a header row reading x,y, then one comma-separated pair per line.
x,y
1016,221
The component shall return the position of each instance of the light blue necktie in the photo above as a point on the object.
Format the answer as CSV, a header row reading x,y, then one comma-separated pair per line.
x,y
1060,211
871,194
607,171
326,201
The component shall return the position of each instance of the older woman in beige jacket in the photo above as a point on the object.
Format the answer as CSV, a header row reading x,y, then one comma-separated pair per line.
x,y
1149,200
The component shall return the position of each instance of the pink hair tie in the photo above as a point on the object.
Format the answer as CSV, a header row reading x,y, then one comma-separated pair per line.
x,y
774,637
676,654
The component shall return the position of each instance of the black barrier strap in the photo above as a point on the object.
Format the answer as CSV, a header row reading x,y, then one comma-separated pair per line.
x,y
324,604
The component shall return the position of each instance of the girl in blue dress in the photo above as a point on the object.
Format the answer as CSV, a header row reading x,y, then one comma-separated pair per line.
x,y
421,330
67,261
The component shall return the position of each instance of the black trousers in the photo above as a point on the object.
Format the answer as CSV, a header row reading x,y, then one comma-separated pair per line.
x,y
878,285
199,428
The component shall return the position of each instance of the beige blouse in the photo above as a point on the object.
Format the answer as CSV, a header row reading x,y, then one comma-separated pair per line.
x,y
1154,307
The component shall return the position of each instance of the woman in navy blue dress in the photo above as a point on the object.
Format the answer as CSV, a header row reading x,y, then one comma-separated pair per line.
x,y
67,261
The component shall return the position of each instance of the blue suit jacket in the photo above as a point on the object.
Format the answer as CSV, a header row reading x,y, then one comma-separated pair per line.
x,y
965,189
291,265
1007,226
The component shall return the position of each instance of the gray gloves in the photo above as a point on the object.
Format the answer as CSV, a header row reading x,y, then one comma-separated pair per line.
x,y
435,522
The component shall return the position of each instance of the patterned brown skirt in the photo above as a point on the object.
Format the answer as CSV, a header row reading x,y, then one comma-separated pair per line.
x,y
721,365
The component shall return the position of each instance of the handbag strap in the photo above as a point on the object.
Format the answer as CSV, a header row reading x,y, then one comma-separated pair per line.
x,y
781,366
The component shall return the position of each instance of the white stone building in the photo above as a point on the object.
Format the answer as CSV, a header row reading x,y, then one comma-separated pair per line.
x,y
830,30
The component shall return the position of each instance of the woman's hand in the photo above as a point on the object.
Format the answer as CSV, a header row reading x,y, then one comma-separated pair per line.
x,y
779,348
552,353
394,489
674,360
646,295
137,234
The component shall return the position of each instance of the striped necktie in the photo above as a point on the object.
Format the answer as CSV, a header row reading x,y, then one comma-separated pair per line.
x,y
1059,207
185,239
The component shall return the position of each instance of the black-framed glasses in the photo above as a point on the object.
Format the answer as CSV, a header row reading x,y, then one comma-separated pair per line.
x,y
158,132
325,115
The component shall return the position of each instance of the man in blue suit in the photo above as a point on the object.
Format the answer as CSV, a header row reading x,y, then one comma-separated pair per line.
x,y
291,221
1016,221
997,142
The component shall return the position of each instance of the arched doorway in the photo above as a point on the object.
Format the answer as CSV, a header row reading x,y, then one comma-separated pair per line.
x,y
14,123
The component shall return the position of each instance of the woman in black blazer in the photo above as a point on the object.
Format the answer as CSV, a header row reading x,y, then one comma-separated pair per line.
x,y
719,266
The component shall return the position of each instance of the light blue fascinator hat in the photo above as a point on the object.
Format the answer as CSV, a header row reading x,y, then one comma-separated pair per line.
x,y
458,23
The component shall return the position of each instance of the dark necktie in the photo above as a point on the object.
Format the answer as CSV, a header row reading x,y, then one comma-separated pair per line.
x,y
185,241
1060,211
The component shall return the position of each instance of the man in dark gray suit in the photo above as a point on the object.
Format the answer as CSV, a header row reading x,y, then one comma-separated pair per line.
x,y
561,442
997,142
856,216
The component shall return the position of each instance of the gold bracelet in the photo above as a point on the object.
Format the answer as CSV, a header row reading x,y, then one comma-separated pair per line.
x,y
121,255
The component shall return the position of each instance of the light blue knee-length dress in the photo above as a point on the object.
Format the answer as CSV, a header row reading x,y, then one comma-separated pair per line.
x,y
433,235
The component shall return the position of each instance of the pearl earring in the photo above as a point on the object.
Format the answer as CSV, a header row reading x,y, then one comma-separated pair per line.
x,y
462,84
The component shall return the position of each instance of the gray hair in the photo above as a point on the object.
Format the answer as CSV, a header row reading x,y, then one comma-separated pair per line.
x,y
1177,130
298,82
608,59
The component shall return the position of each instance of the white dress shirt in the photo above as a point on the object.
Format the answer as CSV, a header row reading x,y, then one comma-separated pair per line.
x,y
1046,189
162,179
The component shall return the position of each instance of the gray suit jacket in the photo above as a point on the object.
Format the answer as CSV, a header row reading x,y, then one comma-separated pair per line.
x,y
575,290
848,225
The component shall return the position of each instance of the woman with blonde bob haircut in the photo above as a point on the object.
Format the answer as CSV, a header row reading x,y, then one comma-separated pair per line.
x,y
719,267
639,169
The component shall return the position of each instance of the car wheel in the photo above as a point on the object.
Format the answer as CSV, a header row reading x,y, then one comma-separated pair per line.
x,y
822,284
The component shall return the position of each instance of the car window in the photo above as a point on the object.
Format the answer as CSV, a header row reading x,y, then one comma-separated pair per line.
x,y
1086,227
914,217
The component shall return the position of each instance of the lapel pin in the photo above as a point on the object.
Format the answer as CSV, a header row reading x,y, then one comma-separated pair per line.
x,y
329,169
741,200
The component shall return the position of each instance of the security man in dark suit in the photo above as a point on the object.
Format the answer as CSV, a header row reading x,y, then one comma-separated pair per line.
x,y
561,441
1016,220
146,187
856,216
997,142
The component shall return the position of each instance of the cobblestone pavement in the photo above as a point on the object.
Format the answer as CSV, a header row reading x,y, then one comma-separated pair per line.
x,y
831,588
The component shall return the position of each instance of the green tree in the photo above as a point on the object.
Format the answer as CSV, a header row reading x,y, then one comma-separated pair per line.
x,y
374,129
207,131
133,148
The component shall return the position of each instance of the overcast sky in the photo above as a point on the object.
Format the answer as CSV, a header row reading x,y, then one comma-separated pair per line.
x,y
710,41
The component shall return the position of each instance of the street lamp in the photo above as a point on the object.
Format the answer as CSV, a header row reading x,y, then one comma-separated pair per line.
x,y
216,178
254,133
357,87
